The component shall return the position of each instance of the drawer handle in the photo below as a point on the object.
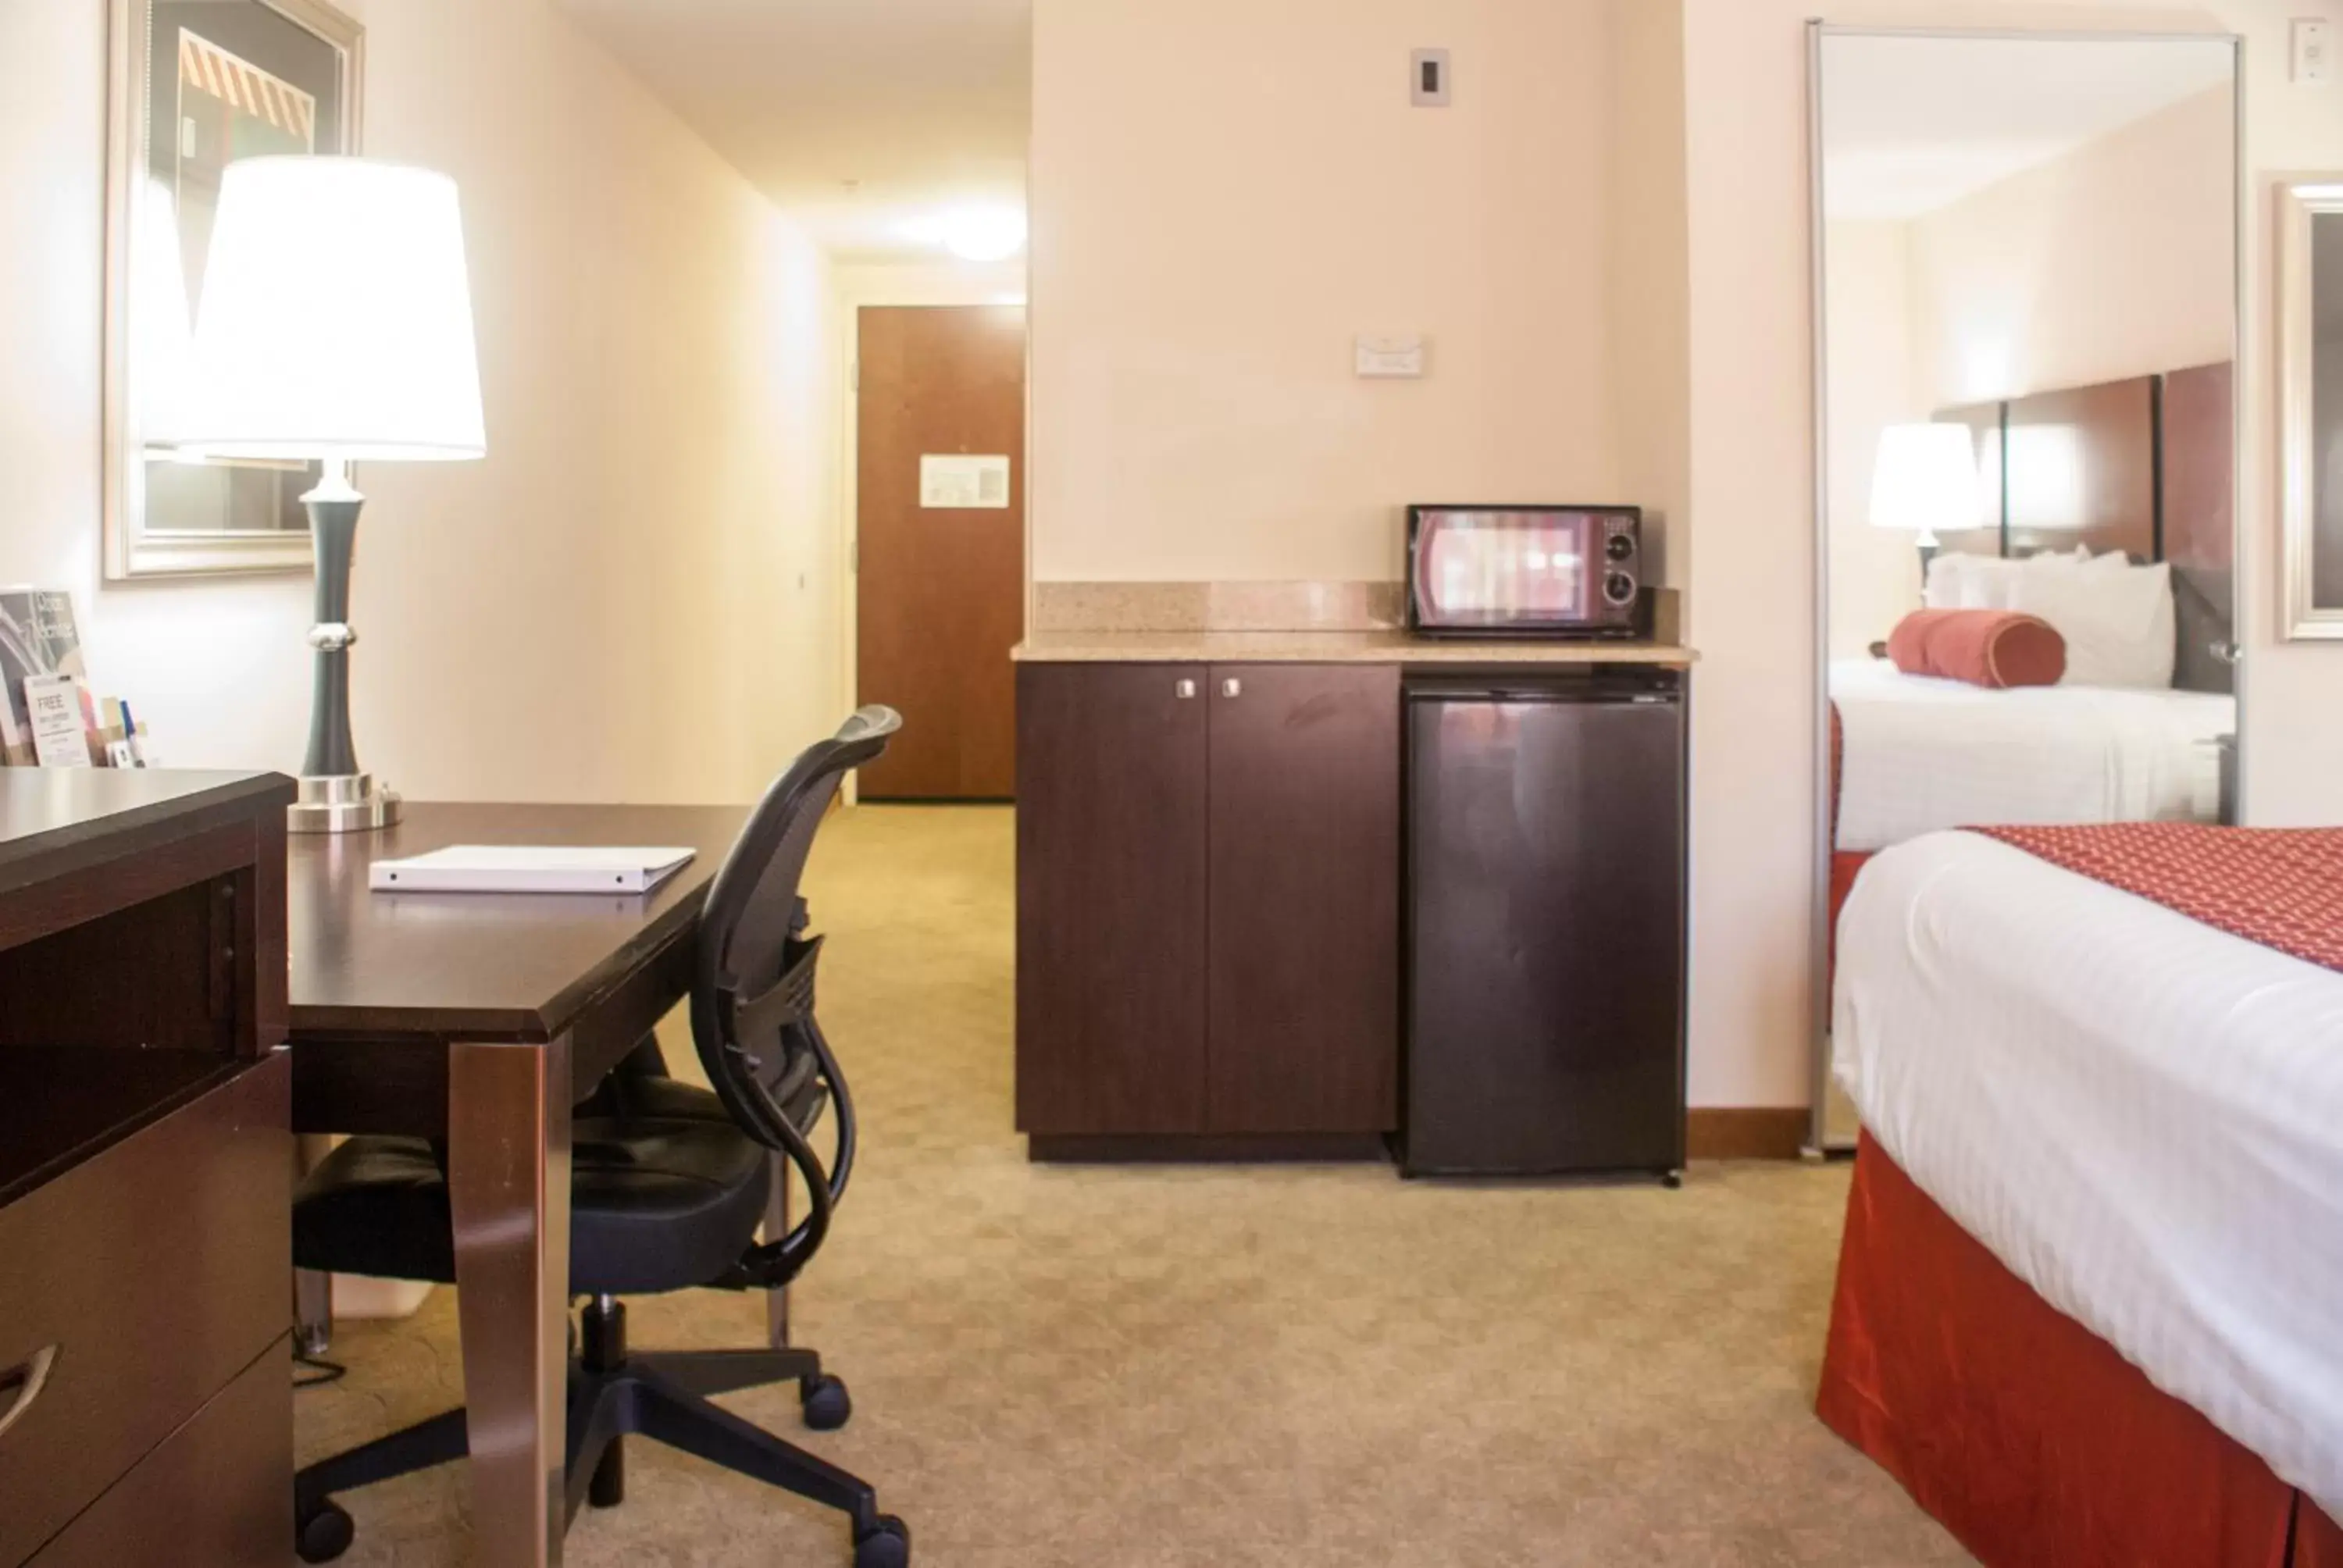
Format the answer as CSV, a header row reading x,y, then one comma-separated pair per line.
x,y
1183,689
21,1384
1232,686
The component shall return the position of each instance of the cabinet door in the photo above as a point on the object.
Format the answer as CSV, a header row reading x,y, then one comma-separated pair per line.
x,y
1305,858
1111,861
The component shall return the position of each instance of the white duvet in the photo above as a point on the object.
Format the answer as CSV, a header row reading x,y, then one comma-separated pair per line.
x,y
2142,1117
1921,754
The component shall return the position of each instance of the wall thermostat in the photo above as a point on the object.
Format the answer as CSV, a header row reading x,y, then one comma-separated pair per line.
x,y
1428,76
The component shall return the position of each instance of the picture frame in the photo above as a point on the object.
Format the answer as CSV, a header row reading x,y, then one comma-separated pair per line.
x,y
224,79
2310,323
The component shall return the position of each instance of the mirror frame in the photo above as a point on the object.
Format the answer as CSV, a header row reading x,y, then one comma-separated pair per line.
x,y
2300,200
131,549
1818,1140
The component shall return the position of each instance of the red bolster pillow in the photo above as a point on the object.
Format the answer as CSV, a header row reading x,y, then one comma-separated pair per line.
x,y
1996,647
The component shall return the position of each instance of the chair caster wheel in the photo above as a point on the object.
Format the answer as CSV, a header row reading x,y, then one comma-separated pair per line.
x,y
886,1544
828,1406
322,1531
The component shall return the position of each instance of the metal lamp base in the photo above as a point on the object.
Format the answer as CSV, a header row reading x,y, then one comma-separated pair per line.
x,y
341,803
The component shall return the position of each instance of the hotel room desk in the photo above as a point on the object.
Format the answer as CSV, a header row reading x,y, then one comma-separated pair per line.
x,y
481,1018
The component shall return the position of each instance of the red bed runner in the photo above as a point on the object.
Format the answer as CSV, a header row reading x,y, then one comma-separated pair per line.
x,y
2029,1437
2279,886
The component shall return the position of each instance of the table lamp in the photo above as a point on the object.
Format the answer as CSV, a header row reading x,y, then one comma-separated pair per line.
x,y
1926,479
336,324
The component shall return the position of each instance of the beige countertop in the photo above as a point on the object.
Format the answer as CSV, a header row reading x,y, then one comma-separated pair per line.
x,y
1384,646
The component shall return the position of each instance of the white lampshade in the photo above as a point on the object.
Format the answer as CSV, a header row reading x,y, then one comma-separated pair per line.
x,y
336,320
1926,479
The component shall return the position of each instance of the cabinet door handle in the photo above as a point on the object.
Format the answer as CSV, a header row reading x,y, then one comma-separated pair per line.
x,y
21,1384
1183,689
1232,686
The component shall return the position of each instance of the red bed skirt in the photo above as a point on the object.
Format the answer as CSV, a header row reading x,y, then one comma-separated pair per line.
x,y
2029,1437
1845,864
2317,1540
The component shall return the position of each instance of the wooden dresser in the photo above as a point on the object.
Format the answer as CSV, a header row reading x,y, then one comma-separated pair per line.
x,y
146,1414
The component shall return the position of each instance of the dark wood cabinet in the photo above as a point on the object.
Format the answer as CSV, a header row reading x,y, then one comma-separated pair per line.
x,y
220,1485
1303,973
1208,923
1111,837
146,1169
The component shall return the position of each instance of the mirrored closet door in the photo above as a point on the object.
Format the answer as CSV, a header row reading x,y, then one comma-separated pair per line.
x,y
2025,318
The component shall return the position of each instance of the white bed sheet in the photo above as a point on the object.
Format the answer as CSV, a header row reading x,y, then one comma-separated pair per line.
x,y
2142,1117
1922,754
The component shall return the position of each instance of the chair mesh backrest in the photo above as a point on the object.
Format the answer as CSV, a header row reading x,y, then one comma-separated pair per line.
x,y
752,1006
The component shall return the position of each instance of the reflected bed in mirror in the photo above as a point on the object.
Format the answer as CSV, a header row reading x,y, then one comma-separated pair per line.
x,y
197,85
2028,241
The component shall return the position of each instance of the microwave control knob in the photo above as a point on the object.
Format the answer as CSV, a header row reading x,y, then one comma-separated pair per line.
x,y
1619,588
1620,548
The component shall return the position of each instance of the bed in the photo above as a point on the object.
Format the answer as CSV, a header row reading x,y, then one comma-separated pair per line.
x,y
2091,1298
1919,754
2141,466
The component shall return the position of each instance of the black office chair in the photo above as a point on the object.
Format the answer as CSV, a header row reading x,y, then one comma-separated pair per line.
x,y
663,1198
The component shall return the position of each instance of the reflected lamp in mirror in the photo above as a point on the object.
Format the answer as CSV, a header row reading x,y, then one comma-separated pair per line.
x,y
2311,370
335,326
1924,478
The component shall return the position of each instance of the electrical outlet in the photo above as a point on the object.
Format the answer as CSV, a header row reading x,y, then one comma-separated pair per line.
x,y
2314,51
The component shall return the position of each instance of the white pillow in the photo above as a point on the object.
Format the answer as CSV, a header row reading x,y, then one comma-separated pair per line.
x,y
2116,618
1948,572
1957,581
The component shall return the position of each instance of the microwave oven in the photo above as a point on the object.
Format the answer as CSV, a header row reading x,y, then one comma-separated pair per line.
x,y
1525,571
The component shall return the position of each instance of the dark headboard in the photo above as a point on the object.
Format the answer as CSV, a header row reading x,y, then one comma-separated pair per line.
x,y
2082,469
2143,466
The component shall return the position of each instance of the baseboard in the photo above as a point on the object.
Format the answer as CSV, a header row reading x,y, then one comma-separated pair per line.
x,y
1746,1131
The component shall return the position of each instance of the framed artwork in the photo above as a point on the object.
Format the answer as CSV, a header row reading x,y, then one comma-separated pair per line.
x,y
2310,402
196,85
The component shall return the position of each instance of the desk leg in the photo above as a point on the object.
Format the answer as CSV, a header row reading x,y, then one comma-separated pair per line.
x,y
508,1191
777,1226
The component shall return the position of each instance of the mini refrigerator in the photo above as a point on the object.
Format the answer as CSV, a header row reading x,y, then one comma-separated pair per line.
x,y
1545,923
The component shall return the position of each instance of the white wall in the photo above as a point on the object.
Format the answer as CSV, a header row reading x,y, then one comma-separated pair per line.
x,y
938,282
1647,281
2115,260
644,554
1751,567
1223,194
1875,573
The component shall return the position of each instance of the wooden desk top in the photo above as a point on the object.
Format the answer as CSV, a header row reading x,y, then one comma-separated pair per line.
x,y
55,819
483,966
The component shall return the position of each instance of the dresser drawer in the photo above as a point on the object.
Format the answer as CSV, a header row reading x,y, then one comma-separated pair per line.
x,y
219,1489
149,1276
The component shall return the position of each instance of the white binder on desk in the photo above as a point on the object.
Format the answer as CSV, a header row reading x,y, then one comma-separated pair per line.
x,y
528,868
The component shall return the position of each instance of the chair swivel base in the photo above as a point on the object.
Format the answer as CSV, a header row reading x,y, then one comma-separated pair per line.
x,y
663,1396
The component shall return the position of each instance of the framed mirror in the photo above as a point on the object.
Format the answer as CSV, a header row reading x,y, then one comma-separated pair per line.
x,y
196,85
2025,312
2310,371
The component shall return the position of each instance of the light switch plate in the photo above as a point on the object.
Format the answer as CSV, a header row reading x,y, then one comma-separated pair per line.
x,y
2314,51
1390,357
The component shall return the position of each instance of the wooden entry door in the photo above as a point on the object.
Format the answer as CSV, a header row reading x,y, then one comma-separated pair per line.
x,y
939,592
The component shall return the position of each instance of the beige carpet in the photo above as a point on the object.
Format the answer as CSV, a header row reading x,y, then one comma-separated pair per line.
x,y
1138,1368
